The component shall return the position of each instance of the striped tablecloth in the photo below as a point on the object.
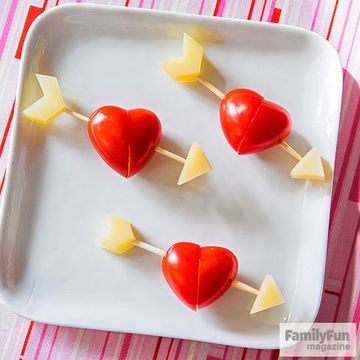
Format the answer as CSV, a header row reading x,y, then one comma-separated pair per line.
x,y
335,20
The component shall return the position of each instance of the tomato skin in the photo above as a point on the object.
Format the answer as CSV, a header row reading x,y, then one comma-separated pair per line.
x,y
250,123
125,139
218,269
237,110
199,275
180,267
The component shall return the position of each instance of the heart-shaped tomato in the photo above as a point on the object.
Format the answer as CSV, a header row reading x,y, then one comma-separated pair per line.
x,y
199,275
125,139
252,124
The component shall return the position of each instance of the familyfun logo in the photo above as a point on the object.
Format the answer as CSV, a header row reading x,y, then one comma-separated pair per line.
x,y
318,339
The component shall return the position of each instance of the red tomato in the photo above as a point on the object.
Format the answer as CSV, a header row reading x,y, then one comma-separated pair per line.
x,y
199,275
252,124
125,139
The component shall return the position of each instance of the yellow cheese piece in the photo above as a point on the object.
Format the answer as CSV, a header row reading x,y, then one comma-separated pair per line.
x,y
309,167
268,297
186,68
50,105
196,164
120,239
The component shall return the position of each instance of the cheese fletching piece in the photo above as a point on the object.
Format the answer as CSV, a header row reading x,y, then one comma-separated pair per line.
x,y
186,68
196,164
269,296
120,238
309,167
50,105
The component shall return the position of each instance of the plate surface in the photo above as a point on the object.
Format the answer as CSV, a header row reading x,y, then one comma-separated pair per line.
x,y
58,190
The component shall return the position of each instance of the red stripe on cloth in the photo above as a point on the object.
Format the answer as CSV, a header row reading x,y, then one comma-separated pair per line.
x,y
271,11
225,352
8,23
337,190
263,10
315,15
352,42
53,342
125,346
355,188
346,271
169,350
332,20
202,6
275,354
243,356
219,8
178,349
37,352
157,348
356,317
344,26
104,346
27,338
7,128
2,182
32,14
276,15
251,10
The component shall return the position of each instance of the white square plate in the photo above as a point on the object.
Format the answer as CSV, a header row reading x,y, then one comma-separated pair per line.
x,y
58,190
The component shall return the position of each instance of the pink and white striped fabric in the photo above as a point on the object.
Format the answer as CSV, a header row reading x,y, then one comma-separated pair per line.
x,y
335,20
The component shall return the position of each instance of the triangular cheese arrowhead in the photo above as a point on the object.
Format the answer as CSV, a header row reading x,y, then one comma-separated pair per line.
x,y
196,164
309,167
120,238
269,296
186,68
50,105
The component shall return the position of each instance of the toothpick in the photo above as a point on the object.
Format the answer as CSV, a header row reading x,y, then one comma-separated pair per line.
x,y
212,88
155,250
170,155
285,146
150,248
158,149
77,115
244,287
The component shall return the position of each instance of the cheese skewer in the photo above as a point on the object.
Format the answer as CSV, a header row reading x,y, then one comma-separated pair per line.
x,y
188,69
285,146
155,250
52,104
158,149
121,239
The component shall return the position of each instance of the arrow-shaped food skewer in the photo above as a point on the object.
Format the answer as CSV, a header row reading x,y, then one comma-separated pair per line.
x,y
234,109
118,120
121,239
188,160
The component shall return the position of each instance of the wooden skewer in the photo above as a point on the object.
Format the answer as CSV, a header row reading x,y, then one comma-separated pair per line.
x,y
155,250
285,146
150,248
212,88
77,115
170,155
158,149
244,287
